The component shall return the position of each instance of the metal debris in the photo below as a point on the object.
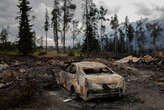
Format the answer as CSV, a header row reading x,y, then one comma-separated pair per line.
x,y
67,100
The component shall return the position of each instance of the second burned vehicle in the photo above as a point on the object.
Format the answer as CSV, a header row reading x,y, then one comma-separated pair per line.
x,y
91,80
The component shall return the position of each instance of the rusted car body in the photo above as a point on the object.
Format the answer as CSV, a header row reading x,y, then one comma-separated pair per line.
x,y
91,80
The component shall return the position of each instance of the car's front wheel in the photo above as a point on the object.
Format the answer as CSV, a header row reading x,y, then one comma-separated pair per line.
x,y
73,93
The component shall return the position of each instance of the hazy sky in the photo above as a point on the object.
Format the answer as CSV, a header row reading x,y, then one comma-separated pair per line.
x,y
134,9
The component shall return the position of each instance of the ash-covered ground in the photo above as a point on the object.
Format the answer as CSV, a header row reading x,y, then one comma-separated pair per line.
x,y
29,83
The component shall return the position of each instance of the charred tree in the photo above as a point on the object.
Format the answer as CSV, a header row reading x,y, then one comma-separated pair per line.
x,y
46,26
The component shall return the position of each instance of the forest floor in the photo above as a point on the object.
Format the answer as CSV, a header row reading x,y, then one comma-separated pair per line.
x,y
143,91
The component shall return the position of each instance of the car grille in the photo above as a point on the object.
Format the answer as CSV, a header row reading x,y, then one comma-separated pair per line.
x,y
106,91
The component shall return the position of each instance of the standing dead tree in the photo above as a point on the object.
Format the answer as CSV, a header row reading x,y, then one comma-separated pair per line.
x,y
115,24
46,26
68,13
56,22
155,30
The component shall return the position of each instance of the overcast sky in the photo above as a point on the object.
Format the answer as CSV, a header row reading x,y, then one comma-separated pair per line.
x,y
134,9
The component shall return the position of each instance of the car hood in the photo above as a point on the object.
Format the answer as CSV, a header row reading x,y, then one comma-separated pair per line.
x,y
105,78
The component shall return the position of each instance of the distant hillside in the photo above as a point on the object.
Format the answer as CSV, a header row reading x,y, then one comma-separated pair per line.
x,y
148,38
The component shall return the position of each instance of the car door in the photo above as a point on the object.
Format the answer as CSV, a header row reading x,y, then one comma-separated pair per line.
x,y
83,84
71,76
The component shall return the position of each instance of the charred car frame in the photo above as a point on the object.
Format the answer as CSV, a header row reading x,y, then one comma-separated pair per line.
x,y
91,80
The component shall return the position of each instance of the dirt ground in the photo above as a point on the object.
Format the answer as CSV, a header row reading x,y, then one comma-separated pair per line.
x,y
143,92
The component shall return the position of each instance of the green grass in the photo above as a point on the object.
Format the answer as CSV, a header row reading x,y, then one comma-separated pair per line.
x,y
9,52
74,53
50,53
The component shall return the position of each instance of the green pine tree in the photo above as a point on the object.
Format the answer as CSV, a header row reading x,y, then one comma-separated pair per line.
x,y
26,43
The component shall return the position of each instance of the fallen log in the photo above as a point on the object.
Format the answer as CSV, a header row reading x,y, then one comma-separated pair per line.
x,y
160,80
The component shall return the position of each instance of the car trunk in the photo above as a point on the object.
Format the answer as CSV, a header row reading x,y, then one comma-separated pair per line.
x,y
104,78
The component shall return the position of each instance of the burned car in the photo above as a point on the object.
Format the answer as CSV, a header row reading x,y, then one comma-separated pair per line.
x,y
91,80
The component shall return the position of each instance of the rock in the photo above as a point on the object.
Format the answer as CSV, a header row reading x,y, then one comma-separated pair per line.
x,y
38,63
61,64
22,70
16,63
2,85
3,66
51,62
8,75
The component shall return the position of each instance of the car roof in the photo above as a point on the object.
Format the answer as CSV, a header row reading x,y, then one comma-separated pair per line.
x,y
90,64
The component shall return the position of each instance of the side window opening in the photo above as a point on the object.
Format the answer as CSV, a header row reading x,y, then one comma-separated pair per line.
x,y
67,69
91,71
105,70
71,69
97,71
